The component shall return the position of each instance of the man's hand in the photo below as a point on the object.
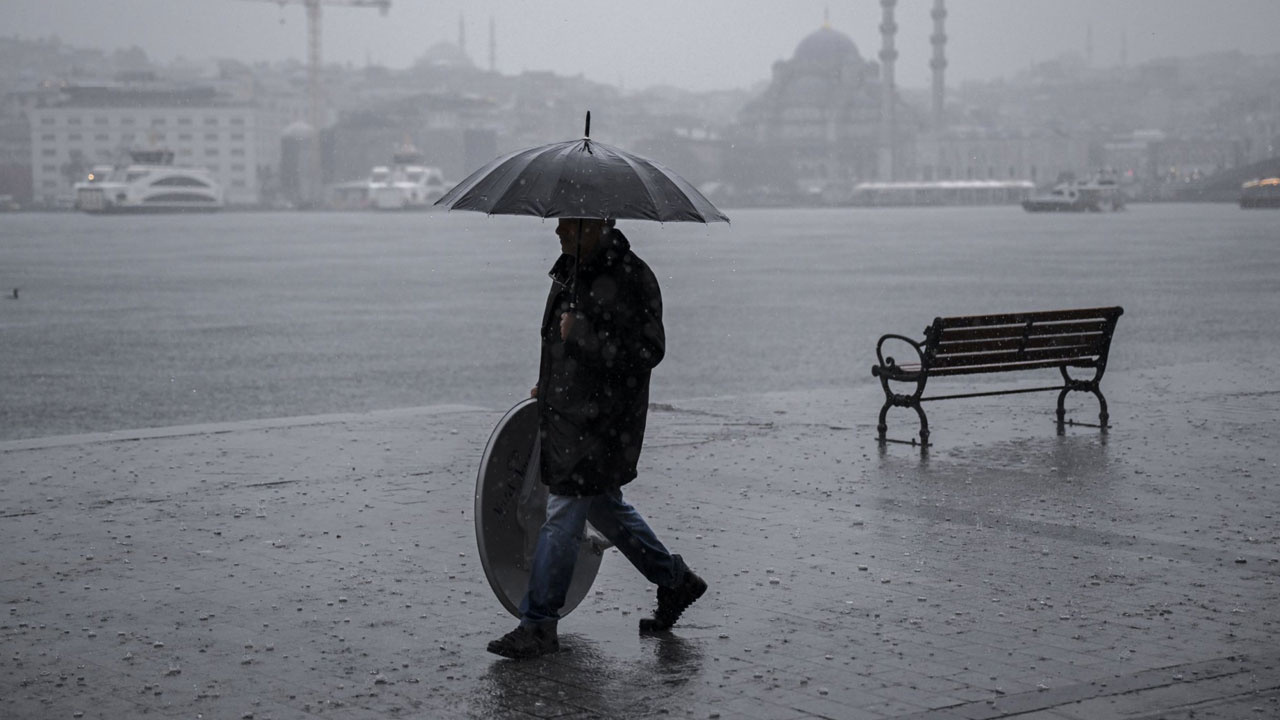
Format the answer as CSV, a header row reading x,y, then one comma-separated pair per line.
x,y
534,392
566,324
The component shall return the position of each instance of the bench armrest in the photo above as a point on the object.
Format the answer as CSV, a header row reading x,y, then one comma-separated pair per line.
x,y
887,366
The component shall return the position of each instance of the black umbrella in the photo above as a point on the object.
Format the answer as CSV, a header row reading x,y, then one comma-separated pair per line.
x,y
581,179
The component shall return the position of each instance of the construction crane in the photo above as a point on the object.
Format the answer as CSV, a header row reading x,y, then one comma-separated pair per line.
x,y
315,94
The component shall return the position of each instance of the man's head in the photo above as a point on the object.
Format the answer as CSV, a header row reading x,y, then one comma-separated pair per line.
x,y
592,231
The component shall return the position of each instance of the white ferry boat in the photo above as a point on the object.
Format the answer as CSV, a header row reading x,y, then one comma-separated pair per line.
x,y
407,184
1094,195
1064,197
150,183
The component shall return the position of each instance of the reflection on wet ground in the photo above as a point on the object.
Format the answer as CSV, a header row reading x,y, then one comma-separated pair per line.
x,y
584,676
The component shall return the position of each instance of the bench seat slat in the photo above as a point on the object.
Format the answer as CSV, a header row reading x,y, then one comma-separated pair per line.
x,y
1005,367
1106,313
1017,331
1014,359
1044,341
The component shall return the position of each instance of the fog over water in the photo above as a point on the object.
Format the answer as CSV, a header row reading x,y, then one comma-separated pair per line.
x,y
145,321
711,44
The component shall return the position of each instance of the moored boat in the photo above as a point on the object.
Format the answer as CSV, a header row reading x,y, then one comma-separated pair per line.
x,y
1102,193
150,183
1093,195
1064,197
1261,193
408,184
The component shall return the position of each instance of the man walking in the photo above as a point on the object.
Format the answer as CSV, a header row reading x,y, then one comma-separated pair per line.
x,y
602,335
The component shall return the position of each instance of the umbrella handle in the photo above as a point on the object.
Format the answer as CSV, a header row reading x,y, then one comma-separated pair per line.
x,y
586,132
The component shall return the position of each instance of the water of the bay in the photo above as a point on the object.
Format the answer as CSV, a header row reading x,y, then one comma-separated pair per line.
x,y
130,322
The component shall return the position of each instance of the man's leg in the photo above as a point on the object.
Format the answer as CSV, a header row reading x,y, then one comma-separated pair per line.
x,y
554,559
625,527
549,578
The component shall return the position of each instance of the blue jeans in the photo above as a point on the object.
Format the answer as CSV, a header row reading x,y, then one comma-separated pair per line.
x,y
560,539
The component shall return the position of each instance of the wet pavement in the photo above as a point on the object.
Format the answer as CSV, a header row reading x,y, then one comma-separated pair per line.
x,y
326,566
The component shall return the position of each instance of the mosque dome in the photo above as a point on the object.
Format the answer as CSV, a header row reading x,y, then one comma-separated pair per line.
x,y
818,121
826,47
445,54
826,71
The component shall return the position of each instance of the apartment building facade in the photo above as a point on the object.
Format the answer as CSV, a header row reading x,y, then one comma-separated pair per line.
x,y
237,141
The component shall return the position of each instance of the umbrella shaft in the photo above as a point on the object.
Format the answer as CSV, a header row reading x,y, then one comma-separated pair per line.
x,y
577,257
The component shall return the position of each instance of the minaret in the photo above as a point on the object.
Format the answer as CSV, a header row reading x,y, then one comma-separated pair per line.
x,y
493,46
888,28
939,64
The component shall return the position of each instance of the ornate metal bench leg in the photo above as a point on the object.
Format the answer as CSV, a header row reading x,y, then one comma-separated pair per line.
x,y
884,413
924,425
1083,385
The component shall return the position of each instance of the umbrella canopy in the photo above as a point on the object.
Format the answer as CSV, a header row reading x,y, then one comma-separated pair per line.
x,y
581,179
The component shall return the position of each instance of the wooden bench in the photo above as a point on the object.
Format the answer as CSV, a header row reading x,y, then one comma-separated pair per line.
x,y
976,344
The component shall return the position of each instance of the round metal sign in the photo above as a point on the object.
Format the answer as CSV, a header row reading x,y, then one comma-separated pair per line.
x,y
511,505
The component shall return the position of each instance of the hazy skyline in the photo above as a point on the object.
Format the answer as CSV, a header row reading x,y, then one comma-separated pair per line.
x,y
699,45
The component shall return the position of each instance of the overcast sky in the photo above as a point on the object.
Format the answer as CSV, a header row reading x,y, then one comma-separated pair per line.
x,y
695,44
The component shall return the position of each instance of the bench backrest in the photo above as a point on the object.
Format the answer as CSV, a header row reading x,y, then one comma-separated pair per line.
x,y
1019,341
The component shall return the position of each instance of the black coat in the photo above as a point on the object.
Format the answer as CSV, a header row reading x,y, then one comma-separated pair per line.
x,y
593,389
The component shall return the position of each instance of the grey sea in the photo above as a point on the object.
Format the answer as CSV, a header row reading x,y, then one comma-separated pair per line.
x,y
131,322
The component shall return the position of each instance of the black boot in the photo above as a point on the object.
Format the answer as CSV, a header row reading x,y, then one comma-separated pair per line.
x,y
526,642
673,601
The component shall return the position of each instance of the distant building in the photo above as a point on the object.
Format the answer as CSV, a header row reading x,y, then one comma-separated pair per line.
x,y
15,139
817,123
238,140
452,132
815,130
15,158
986,153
